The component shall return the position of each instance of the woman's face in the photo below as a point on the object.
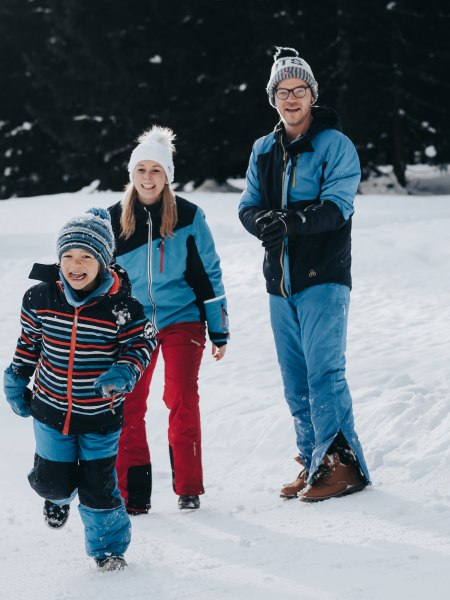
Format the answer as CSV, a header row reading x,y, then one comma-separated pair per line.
x,y
149,179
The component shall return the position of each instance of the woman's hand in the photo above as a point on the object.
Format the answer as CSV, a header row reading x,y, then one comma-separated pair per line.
x,y
218,353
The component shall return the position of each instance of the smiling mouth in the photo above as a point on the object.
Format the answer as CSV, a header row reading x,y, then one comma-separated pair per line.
x,y
148,186
77,276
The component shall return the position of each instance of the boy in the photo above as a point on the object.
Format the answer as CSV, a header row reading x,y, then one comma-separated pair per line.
x,y
87,342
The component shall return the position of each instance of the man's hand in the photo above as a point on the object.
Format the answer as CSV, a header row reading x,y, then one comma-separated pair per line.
x,y
277,224
262,219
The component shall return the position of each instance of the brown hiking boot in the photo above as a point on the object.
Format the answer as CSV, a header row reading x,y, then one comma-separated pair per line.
x,y
333,480
291,490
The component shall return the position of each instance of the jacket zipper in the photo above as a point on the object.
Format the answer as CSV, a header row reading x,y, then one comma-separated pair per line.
x,y
149,271
224,318
282,288
73,339
294,168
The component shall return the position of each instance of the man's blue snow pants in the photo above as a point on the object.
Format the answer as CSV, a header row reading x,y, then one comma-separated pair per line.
x,y
65,465
310,331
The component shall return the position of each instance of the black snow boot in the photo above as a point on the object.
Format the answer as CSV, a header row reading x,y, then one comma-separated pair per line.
x,y
188,502
55,515
111,563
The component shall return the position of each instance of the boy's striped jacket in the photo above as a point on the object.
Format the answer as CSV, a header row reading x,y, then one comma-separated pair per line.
x,y
68,347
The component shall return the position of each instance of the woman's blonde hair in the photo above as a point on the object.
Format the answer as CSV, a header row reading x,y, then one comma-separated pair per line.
x,y
163,138
168,212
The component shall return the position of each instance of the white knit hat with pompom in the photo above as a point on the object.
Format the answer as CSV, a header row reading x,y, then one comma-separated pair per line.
x,y
155,144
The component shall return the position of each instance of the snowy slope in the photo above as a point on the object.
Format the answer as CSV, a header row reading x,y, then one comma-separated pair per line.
x,y
390,542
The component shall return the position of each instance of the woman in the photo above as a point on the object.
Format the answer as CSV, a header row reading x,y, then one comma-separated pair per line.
x,y
167,249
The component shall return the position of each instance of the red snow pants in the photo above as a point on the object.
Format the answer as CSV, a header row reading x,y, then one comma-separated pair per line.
x,y
182,346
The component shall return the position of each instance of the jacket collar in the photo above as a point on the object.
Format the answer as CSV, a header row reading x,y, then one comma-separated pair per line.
x,y
76,301
324,117
45,273
115,281
141,211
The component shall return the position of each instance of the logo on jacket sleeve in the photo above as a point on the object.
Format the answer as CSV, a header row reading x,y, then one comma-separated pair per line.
x,y
150,331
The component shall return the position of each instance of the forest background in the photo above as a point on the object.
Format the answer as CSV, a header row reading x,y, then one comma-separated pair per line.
x,y
81,79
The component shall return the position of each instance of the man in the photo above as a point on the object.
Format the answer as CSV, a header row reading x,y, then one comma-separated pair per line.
x,y
301,182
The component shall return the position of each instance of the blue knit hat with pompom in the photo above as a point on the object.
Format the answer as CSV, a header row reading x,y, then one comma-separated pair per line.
x,y
90,231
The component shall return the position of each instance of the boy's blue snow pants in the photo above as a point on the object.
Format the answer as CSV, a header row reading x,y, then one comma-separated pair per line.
x,y
310,331
65,465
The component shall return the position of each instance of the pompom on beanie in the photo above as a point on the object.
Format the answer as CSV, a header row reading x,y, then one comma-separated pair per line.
x,y
90,231
155,144
287,63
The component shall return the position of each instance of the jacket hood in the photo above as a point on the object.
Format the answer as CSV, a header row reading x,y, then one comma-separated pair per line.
x,y
50,274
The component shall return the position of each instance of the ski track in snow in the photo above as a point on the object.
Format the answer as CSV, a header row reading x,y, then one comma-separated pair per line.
x,y
392,541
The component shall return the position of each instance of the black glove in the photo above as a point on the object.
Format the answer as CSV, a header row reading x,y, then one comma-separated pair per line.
x,y
277,224
262,219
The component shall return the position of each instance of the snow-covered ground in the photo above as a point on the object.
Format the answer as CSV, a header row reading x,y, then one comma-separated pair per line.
x,y
391,541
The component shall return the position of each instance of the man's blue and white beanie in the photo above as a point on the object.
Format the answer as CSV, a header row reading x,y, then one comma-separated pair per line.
x,y
287,63
90,231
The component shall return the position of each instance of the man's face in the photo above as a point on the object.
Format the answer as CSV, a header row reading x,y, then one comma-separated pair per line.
x,y
294,111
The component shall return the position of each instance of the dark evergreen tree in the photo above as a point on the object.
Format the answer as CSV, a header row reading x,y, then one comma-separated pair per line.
x,y
228,55
98,81
421,57
28,162
81,79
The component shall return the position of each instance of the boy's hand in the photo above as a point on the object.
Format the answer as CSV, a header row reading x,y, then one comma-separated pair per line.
x,y
21,405
117,379
16,392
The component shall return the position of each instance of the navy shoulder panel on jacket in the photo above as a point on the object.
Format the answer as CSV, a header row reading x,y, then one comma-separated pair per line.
x,y
186,212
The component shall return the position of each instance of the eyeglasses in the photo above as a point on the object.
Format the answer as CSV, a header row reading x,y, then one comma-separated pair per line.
x,y
298,92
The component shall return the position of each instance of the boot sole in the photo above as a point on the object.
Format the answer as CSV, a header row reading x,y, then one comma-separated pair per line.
x,y
135,512
55,526
352,490
110,565
291,496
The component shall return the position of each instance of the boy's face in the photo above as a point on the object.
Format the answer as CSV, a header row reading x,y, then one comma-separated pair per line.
x,y
80,269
